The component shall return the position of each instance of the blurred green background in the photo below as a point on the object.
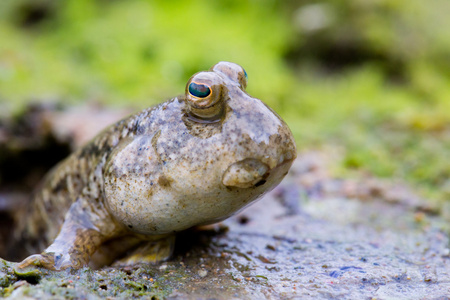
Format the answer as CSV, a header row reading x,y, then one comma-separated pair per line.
x,y
368,77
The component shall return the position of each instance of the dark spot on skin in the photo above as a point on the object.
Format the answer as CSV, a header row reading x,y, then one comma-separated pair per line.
x,y
278,139
121,203
243,220
202,130
58,258
259,183
155,141
60,186
94,149
164,181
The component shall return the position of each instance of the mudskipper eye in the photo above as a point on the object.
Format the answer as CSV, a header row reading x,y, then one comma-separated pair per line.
x,y
245,74
199,90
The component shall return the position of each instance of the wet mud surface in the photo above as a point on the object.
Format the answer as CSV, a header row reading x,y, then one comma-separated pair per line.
x,y
313,237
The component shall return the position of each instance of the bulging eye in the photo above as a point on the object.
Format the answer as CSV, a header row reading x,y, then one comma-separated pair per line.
x,y
233,71
205,96
199,90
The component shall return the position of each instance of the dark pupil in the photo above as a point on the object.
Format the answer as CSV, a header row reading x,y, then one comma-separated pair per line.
x,y
199,90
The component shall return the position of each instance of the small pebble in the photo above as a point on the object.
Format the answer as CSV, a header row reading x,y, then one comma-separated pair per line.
x,y
202,273
271,247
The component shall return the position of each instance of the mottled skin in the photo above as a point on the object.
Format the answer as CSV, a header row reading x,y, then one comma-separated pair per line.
x,y
189,161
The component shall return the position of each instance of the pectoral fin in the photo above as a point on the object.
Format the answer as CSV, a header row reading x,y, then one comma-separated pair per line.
x,y
246,173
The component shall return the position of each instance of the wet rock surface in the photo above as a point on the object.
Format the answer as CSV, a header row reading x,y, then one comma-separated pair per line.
x,y
314,236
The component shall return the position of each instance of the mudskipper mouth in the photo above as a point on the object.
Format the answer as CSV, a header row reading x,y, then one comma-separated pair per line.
x,y
251,172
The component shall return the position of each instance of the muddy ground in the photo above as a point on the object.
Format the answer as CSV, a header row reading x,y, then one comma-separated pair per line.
x,y
314,237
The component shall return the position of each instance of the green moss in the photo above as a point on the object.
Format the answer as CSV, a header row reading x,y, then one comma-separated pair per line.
x,y
136,50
